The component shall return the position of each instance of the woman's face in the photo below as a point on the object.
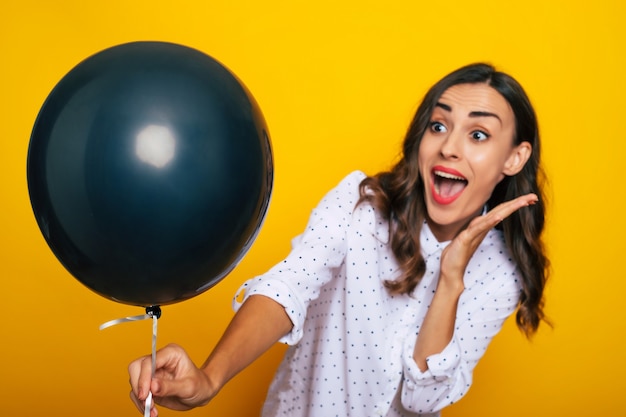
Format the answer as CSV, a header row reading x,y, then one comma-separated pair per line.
x,y
466,151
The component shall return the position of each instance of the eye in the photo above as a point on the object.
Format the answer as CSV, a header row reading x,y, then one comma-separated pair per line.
x,y
437,127
479,135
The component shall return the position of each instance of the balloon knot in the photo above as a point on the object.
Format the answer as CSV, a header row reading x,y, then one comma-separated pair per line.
x,y
154,311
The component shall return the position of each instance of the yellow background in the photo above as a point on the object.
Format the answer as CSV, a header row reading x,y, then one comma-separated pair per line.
x,y
338,82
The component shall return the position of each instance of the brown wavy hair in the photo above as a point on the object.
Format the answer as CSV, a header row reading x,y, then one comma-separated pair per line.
x,y
399,195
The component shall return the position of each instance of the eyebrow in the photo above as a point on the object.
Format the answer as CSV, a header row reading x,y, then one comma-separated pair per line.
x,y
471,114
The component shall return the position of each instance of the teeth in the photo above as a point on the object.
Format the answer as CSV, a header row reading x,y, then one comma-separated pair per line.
x,y
449,176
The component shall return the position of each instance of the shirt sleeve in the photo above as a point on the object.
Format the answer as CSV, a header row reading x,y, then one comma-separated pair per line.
x,y
482,310
321,248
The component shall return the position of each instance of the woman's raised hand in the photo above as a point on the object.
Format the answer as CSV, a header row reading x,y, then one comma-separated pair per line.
x,y
457,254
438,326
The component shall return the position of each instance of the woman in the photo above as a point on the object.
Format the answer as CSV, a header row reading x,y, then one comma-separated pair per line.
x,y
400,281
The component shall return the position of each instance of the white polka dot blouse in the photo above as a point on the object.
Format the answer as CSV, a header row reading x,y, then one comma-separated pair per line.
x,y
352,341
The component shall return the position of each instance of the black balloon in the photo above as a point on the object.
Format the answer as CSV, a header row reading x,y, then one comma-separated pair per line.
x,y
150,172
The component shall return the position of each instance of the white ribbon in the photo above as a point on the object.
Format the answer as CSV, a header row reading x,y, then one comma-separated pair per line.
x,y
126,320
150,314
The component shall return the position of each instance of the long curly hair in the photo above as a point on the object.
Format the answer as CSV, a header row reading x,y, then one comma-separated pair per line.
x,y
399,195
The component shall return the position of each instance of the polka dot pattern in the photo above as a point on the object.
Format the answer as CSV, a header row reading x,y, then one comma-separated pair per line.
x,y
352,342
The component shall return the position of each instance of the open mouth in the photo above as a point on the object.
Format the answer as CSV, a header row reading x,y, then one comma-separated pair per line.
x,y
447,186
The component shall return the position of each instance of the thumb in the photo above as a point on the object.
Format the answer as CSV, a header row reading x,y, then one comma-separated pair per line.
x,y
156,386
166,388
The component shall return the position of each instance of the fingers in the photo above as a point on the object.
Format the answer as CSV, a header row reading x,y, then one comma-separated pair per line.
x,y
504,210
482,224
168,366
141,405
455,257
140,372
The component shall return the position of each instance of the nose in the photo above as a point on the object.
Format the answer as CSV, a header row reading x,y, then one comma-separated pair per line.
x,y
451,146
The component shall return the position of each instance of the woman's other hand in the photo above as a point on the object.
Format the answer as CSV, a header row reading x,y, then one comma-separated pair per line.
x,y
456,255
177,384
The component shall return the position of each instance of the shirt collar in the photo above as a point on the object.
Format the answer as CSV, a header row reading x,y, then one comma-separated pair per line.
x,y
429,242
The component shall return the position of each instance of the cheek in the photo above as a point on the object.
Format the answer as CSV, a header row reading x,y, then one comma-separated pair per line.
x,y
426,149
490,164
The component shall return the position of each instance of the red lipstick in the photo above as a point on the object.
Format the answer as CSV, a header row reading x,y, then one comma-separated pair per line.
x,y
446,184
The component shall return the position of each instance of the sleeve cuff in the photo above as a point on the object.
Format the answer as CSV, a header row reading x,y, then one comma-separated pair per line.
x,y
441,366
280,292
